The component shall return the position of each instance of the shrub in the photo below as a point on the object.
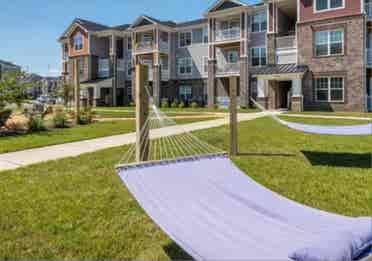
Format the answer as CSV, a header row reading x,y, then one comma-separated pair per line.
x,y
194,105
86,116
182,105
132,104
4,116
164,103
18,123
36,123
60,120
243,107
174,104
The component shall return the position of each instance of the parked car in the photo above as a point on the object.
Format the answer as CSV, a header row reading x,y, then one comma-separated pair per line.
x,y
46,99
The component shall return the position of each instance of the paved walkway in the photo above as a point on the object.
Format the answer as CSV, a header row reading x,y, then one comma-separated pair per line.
x,y
19,159
314,116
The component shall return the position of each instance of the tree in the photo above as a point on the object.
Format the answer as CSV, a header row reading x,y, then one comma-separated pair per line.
x,y
13,88
66,92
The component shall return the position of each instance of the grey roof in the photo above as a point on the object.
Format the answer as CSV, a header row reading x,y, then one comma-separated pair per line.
x,y
167,23
122,27
8,63
91,26
280,69
193,22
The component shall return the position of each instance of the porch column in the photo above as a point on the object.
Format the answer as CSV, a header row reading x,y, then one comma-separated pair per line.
x,y
262,98
96,95
114,63
156,79
297,98
244,82
211,91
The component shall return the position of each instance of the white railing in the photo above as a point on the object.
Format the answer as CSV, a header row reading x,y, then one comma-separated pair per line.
x,y
144,46
121,65
369,56
103,68
228,68
165,75
368,8
286,41
228,34
163,46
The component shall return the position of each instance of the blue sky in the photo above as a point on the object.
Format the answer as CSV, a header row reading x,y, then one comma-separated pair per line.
x,y
29,29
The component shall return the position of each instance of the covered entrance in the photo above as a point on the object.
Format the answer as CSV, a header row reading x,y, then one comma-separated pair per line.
x,y
280,86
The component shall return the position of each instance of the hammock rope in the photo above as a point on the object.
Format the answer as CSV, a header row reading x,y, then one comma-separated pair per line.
x,y
163,146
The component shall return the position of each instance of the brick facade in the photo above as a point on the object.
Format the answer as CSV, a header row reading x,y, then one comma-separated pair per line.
x,y
350,65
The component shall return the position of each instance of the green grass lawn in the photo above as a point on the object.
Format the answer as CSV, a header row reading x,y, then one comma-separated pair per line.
x,y
336,122
128,114
83,132
78,208
347,114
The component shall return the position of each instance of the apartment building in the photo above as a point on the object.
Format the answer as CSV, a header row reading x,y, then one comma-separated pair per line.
x,y
8,67
286,54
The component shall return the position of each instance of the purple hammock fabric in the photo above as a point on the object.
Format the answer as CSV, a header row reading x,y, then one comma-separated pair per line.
x,y
353,130
215,212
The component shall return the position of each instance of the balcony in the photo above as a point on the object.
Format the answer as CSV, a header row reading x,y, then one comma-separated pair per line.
x,y
227,34
368,8
286,42
165,75
103,68
163,46
227,69
369,56
143,47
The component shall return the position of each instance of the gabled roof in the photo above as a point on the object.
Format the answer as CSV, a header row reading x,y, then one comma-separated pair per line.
x,y
122,27
193,22
145,20
8,63
225,4
280,69
89,26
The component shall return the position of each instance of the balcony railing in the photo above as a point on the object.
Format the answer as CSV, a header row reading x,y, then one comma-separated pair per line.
x,y
369,56
147,46
121,65
103,68
368,8
228,68
165,75
288,41
228,34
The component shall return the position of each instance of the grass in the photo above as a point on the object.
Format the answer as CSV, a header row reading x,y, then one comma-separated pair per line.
x,y
346,114
78,133
129,114
336,122
77,208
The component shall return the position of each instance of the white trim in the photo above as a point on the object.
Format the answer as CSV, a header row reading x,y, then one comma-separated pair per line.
x,y
179,39
328,7
329,43
260,50
329,89
260,24
178,61
220,2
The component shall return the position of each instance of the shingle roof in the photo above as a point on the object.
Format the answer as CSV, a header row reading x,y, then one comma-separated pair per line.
x,y
167,23
280,69
193,22
91,26
8,63
122,27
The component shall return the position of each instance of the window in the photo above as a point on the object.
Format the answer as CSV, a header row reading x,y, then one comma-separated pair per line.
x,y
185,93
324,5
164,64
78,41
129,45
205,35
184,66
258,55
329,89
81,68
205,64
232,56
259,22
329,43
184,39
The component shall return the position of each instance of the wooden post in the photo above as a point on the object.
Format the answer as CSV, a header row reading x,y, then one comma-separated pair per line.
x,y
233,86
142,113
77,90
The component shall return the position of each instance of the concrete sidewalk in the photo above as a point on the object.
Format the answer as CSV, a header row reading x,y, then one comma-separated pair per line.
x,y
314,116
19,159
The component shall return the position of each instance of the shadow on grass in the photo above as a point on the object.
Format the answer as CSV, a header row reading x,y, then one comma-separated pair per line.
x,y
174,252
348,160
266,154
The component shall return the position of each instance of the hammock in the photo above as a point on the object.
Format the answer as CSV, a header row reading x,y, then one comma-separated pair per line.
x,y
353,130
215,212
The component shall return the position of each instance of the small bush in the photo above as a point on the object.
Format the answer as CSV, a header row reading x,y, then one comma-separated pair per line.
x,y
36,123
4,116
86,117
174,104
60,120
182,105
194,105
17,123
164,103
132,104
243,107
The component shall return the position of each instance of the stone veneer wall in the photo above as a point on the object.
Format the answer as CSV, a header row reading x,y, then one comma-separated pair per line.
x,y
350,65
